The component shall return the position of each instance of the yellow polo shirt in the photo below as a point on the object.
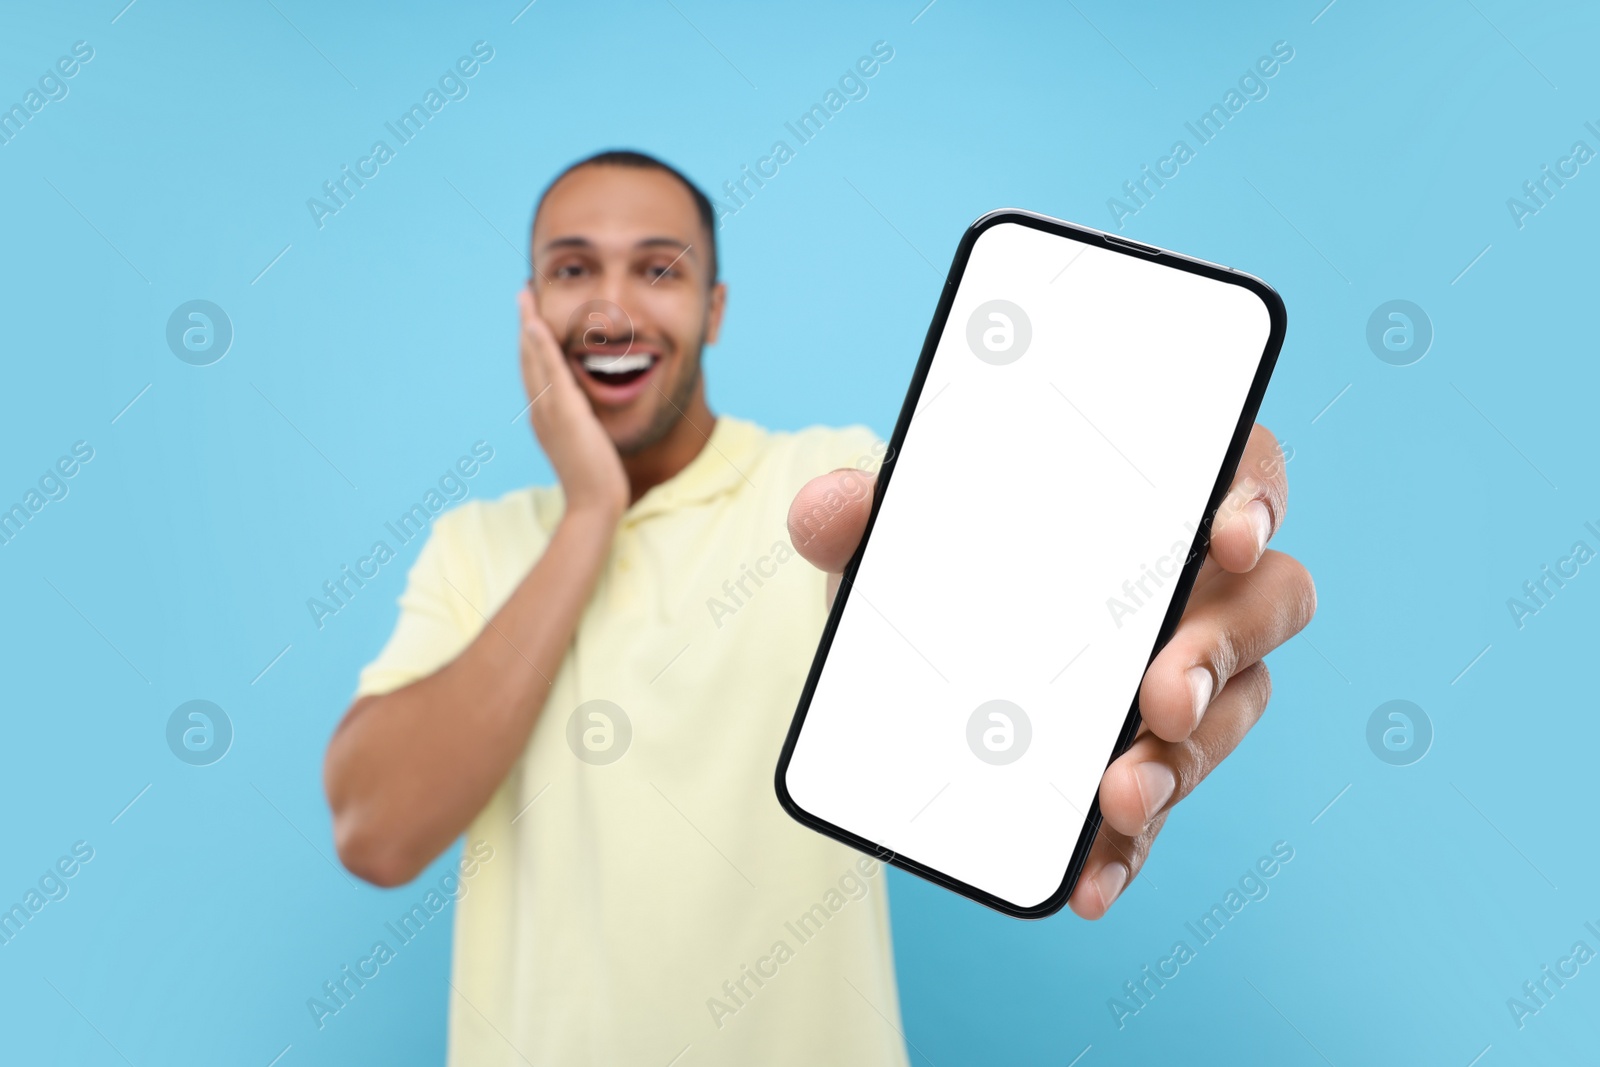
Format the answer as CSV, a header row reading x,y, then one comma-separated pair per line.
x,y
646,900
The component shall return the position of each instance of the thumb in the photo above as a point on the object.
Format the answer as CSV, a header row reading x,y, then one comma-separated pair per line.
x,y
829,515
533,323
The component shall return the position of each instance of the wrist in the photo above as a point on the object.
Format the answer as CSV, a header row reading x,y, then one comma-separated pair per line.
x,y
595,516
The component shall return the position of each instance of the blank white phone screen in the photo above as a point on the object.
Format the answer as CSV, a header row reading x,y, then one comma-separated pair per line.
x,y
1072,424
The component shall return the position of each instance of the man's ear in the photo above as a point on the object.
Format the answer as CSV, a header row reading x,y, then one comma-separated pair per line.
x,y
715,304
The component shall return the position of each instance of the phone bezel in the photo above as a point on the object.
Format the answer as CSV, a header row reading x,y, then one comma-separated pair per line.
x,y
1278,320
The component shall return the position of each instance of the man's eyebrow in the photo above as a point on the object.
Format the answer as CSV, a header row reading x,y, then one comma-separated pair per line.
x,y
669,242
567,242
648,242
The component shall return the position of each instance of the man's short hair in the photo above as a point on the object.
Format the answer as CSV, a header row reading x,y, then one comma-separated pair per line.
x,y
627,157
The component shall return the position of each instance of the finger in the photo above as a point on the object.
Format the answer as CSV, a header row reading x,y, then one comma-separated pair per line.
x,y
1153,774
828,516
1115,860
535,330
1209,569
1232,622
534,372
526,309
1253,509
542,362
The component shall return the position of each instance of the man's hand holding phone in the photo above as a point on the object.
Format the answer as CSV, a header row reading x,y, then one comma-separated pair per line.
x,y
1203,691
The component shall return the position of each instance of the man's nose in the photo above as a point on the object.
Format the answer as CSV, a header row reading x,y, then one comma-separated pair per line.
x,y
614,291
604,320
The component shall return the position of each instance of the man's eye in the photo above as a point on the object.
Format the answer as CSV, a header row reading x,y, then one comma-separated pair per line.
x,y
568,270
662,272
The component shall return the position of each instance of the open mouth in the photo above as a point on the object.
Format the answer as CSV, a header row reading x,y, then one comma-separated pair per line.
x,y
617,370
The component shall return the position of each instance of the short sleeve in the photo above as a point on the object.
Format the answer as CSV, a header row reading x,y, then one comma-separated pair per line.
x,y
430,632
859,447
825,449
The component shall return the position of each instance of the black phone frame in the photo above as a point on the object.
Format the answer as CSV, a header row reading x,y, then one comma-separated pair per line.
x,y
1278,318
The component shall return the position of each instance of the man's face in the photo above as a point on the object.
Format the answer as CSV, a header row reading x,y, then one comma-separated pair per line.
x,y
621,278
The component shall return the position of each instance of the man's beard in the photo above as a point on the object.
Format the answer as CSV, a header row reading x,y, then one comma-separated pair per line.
x,y
668,415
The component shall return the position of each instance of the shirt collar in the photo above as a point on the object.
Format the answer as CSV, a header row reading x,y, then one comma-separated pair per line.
x,y
719,467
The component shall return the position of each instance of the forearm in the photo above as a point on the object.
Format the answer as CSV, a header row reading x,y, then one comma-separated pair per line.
x,y
407,772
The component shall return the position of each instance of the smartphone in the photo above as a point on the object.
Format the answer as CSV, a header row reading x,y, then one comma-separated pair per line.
x,y
1074,421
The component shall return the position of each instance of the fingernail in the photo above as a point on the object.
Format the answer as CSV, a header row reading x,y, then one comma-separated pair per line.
x,y
1112,877
1261,522
1200,690
1156,784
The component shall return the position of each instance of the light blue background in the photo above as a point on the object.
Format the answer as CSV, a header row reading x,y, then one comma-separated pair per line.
x,y
1378,167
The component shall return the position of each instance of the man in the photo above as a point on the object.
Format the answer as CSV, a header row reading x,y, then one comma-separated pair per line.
x,y
592,681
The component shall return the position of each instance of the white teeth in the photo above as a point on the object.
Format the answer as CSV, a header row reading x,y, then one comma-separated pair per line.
x,y
617,364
